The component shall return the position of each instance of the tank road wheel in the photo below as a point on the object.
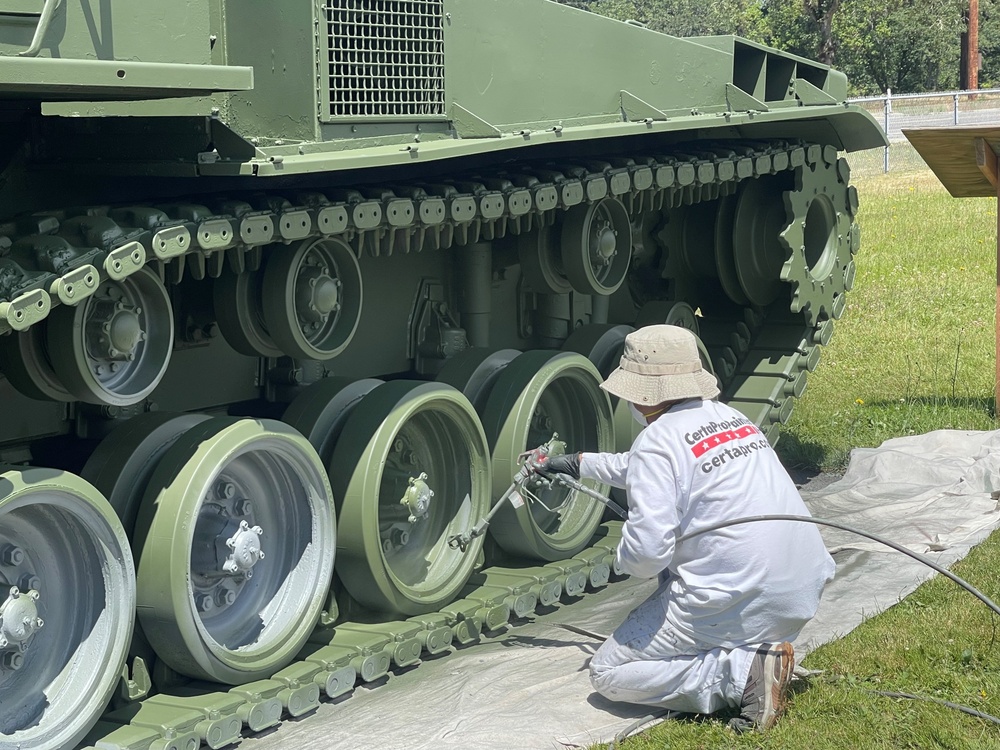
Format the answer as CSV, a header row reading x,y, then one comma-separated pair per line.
x,y
239,309
671,313
817,237
725,260
597,246
541,261
474,372
411,469
603,346
24,359
757,253
236,540
67,606
321,410
114,347
122,464
312,298
538,394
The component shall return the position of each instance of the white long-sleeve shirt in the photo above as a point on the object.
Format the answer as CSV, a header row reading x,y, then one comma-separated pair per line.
x,y
702,462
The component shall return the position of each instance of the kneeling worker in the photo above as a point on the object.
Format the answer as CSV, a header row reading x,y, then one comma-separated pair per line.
x,y
716,632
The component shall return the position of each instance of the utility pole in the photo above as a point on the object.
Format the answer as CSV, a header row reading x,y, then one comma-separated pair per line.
x,y
969,64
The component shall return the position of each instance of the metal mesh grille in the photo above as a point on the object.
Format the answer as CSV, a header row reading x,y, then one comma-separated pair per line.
x,y
386,57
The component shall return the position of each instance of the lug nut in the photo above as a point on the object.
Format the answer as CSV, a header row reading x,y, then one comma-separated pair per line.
x,y
11,660
225,490
11,555
225,597
398,538
204,603
29,582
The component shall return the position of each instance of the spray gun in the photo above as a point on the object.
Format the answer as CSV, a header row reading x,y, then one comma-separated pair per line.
x,y
532,469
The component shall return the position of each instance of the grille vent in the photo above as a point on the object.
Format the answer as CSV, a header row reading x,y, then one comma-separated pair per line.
x,y
386,58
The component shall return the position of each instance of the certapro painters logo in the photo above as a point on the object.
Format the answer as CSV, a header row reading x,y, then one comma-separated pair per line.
x,y
722,436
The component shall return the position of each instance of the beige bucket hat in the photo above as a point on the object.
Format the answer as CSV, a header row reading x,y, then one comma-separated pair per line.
x,y
661,363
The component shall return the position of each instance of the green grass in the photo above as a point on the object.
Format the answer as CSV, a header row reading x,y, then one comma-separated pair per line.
x,y
913,353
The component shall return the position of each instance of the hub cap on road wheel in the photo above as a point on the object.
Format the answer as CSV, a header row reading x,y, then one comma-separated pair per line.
x,y
236,542
411,470
67,605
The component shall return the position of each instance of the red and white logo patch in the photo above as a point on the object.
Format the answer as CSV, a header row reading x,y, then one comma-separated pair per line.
x,y
722,437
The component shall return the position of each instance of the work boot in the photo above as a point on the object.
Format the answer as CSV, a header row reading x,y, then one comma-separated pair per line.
x,y
764,694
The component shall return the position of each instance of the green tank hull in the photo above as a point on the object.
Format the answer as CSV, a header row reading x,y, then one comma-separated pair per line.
x,y
285,291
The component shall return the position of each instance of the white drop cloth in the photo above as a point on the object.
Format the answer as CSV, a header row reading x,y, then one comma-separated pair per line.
x,y
528,687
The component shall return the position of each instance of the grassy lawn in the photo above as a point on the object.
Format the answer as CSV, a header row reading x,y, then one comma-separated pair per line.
x,y
913,353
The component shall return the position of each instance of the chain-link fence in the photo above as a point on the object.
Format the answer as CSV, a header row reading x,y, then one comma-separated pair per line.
x,y
898,111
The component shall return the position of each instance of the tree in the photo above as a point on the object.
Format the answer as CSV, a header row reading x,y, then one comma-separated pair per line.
x,y
989,43
803,27
687,18
905,45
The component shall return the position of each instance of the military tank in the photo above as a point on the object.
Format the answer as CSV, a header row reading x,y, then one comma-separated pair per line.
x,y
286,289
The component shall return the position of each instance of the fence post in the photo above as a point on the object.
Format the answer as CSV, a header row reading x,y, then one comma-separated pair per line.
x,y
955,118
885,126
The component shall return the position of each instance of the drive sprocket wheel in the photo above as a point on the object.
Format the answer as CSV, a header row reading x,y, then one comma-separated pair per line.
x,y
818,237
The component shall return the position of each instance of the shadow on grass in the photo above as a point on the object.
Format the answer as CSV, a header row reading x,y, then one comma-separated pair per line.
x,y
802,459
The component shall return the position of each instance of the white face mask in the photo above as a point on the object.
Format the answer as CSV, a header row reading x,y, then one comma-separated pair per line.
x,y
637,415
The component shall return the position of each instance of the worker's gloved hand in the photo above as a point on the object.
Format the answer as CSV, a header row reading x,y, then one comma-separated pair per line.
x,y
566,464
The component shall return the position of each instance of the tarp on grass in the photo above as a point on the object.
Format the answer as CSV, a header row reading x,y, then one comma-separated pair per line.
x,y
527,687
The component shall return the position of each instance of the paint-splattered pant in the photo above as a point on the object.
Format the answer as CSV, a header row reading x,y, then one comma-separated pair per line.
x,y
647,660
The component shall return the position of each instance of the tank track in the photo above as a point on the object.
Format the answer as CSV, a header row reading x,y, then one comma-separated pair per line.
x,y
762,354
337,657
